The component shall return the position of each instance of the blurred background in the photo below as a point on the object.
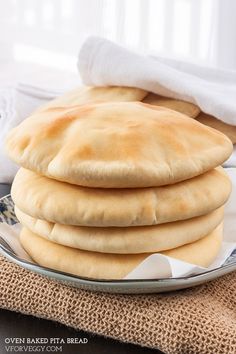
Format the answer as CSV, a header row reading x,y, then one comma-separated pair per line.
x,y
50,32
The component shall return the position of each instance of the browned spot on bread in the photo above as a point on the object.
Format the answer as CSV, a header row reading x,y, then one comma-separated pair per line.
x,y
85,152
24,143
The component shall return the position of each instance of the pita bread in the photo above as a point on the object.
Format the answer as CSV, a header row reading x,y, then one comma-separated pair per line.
x,y
111,266
86,95
75,205
202,252
192,111
227,129
144,239
117,145
184,107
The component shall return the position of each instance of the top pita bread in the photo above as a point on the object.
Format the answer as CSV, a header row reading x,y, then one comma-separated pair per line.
x,y
119,145
85,95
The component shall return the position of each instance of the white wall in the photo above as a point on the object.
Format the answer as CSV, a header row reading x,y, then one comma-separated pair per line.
x,y
50,32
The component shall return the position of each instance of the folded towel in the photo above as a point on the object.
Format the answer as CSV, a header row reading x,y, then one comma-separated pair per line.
x,y
103,63
198,320
16,103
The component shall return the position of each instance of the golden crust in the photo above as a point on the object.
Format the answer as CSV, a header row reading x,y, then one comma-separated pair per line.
x,y
112,266
187,108
116,145
126,240
227,129
90,95
64,203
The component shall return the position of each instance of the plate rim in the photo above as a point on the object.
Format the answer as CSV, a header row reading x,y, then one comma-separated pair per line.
x,y
172,283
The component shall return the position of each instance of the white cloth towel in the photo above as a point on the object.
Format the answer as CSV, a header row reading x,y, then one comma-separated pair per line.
x,y
17,103
102,63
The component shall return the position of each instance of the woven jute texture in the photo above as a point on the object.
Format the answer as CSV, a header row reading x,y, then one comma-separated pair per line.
x,y
198,320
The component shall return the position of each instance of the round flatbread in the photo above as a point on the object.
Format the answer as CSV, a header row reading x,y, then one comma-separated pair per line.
x,y
227,129
112,266
202,252
188,108
192,111
117,145
144,239
64,203
86,95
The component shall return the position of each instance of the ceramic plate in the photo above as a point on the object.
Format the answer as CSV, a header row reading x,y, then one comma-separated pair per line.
x,y
7,215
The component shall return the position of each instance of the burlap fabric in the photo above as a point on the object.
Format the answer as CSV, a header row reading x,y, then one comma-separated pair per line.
x,y
198,320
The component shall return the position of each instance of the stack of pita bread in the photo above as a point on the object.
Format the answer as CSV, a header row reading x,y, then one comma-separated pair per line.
x,y
105,181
